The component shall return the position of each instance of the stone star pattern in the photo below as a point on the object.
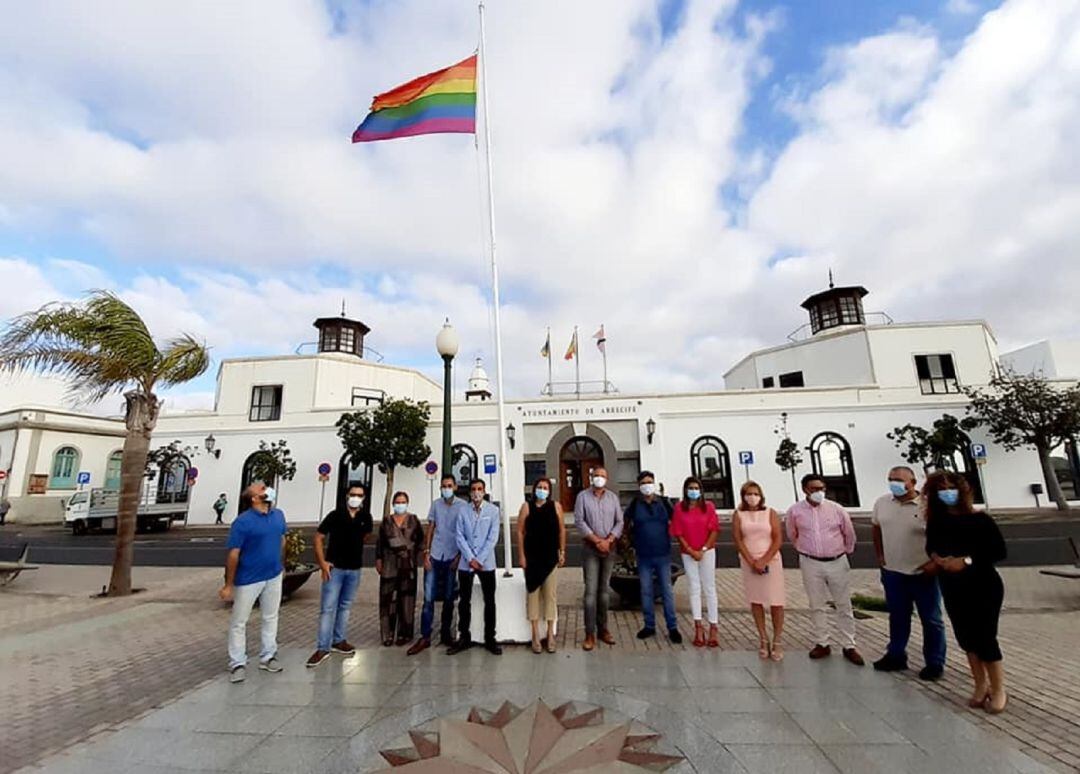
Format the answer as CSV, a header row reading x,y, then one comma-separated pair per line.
x,y
529,740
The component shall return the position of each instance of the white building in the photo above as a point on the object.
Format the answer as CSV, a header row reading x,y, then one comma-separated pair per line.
x,y
840,388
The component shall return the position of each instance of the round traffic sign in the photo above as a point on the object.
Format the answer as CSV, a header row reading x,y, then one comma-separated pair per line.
x,y
192,473
431,468
3,475
324,469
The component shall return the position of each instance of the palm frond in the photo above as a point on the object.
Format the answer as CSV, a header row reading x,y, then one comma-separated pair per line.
x,y
183,359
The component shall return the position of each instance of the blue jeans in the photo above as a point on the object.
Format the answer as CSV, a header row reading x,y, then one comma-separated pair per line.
x,y
440,583
661,565
902,592
337,599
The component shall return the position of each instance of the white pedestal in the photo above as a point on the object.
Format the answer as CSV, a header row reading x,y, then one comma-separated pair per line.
x,y
511,616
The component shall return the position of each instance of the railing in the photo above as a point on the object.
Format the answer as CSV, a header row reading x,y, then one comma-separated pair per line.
x,y
313,346
592,387
805,331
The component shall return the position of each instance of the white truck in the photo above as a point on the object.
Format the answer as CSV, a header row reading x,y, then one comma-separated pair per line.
x,y
96,509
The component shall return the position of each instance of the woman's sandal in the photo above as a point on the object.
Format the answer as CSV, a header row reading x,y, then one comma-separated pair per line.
x,y
763,650
714,636
699,636
550,645
991,709
777,653
387,643
978,703
536,647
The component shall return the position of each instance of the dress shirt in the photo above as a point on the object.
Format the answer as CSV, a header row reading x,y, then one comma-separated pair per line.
x,y
443,517
601,516
820,531
477,531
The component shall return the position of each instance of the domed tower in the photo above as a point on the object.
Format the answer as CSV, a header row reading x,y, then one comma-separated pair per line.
x,y
836,307
340,334
479,384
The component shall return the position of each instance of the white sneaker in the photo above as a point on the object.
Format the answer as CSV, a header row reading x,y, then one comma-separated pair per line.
x,y
236,675
272,665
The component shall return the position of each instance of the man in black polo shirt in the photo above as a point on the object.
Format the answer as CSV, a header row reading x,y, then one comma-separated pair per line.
x,y
348,529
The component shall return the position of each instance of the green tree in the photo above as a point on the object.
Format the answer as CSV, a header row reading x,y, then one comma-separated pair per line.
x,y
272,463
788,455
936,446
390,435
103,347
1028,411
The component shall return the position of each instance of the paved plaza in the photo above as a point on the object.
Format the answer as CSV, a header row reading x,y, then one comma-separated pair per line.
x,y
138,685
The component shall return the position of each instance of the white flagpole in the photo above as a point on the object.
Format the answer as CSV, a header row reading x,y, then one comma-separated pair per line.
x,y
504,479
577,363
551,378
603,351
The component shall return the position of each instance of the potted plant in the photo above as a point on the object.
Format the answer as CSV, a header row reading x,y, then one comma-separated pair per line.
x,y
624,575
296,571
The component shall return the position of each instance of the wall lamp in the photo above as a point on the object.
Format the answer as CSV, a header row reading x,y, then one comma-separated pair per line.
x,y
511,434
650,429
210,443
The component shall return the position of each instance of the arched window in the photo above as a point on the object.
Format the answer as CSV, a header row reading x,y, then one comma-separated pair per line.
x,y
830,457
710,462
350,475
173,481
578,458
65,468
247,477
463,466
113,470
963,463
1066,465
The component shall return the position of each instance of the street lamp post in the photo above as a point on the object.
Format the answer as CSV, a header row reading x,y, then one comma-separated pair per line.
x,y
447,345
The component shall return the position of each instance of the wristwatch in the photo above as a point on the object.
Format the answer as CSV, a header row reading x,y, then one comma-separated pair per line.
x,y
967,561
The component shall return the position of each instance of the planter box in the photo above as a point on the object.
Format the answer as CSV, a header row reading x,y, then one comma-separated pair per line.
x,y
296,578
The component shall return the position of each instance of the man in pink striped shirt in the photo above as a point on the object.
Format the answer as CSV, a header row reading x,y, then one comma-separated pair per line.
x,y
822,533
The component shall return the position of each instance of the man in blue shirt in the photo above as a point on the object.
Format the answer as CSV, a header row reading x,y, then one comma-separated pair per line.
x,y
253,570
440,564
649,517
477,531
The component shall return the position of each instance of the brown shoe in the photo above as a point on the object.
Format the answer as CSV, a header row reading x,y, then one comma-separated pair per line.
x,y
854,657
820,651
606,638
317,658
343,648
420,645
590,642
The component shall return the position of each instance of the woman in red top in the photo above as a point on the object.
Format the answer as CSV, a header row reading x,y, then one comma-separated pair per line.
x,y
695,524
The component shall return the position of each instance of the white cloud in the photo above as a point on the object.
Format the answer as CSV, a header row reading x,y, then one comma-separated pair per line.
x,y
215,138
961,7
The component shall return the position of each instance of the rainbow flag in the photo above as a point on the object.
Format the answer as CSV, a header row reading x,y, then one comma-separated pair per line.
x,y
437,103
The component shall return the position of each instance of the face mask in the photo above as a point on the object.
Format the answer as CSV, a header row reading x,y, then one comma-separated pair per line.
x,y
647,489
817,497
693,494
949,496
477,497
269,495
446,492
400,508
898,488
599,482
355,502
753,500
542,494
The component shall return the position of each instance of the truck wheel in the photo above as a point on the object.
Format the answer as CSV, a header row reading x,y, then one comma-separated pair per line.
x,y
78,527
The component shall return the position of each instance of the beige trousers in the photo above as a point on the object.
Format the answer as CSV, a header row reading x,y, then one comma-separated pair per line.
x,y
544,599
825,581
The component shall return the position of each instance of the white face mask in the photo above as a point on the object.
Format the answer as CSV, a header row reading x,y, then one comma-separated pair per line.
x,y
400,508
355,502
599,482
542,494
447,492
647,489
753,500
269,495
817,497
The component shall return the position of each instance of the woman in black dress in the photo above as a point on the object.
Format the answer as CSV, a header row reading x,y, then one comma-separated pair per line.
x,y
965,545
541,548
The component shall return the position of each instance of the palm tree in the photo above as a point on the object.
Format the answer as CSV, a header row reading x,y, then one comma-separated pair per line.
x,y
102,346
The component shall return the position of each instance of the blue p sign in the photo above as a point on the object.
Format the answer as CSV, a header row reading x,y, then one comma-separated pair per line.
x,y
746,458
978,451
83,478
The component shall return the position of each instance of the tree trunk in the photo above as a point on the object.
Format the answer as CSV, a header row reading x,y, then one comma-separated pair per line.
x,y
141,418
388,499
794,487
1053,486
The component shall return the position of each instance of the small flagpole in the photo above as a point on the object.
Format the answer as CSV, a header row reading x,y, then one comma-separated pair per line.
x,y
577,363
603,351
551,378
504,479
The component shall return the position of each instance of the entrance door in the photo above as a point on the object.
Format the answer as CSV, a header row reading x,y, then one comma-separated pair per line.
x,y
578,459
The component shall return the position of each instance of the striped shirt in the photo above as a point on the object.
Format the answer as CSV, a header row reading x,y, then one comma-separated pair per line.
x,y
820,531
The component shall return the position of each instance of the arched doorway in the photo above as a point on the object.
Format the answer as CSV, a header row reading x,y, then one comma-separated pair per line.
x,y
577,460
463,466
1066,464
247,477
963,463
711,463
350,475
830,457
172,485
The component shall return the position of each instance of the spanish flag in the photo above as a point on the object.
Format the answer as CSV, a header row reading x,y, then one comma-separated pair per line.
x,y
571,351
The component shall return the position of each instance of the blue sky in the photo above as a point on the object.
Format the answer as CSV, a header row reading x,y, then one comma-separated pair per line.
x,y
674,155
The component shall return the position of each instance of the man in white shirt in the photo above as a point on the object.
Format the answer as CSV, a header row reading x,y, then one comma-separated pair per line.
x,y
907,574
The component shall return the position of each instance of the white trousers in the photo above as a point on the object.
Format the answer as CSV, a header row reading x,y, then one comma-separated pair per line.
x,y
268,593
826,581
702,575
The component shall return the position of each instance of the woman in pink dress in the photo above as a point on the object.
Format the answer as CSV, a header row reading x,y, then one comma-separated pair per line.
x,y
756,531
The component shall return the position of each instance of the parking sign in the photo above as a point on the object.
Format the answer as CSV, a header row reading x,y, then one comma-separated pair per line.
x,y
978,451
746,458
84,478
